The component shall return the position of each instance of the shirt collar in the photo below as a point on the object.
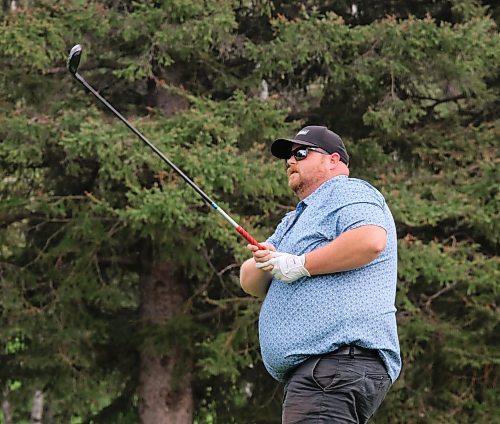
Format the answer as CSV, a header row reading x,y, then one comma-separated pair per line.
x,y
317,193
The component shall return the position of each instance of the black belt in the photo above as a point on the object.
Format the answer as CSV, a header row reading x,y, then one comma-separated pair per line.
x,y
353,351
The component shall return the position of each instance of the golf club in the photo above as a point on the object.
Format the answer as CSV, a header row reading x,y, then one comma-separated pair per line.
x,y
73,63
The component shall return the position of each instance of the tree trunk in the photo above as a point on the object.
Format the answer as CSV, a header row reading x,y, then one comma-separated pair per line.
x,y
162,399
7,413
37,407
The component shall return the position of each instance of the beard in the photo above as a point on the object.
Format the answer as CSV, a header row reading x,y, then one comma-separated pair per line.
x,y
304,185
295,182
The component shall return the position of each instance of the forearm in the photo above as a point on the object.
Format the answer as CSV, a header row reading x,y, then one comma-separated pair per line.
x,y
253,280
350,250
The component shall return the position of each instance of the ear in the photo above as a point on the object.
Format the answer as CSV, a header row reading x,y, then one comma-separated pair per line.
x,y
334,160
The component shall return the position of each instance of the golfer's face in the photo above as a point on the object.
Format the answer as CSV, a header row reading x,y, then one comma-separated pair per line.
x,y
307,174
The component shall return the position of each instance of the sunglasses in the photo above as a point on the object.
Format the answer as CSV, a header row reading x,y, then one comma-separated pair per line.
x,y
300,153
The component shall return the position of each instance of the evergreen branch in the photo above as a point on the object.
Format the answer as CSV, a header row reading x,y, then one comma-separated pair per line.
x,y
212,267
222,304
46,245
445,289
287,208
438,101
232,300
127,261
89,66
119,404
227,268
208,314
8,219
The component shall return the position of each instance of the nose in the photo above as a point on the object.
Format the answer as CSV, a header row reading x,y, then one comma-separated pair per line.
x,y
291,160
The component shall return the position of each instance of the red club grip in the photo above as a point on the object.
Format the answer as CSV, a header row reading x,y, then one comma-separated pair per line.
x,y
249,238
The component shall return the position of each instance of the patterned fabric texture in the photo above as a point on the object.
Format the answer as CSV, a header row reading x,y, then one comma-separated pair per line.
x,y
316,315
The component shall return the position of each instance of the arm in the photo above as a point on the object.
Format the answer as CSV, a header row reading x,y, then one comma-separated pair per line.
x,y
350,250
253,280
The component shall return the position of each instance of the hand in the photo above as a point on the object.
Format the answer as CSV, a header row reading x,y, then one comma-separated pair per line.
x,y
286,267
261,256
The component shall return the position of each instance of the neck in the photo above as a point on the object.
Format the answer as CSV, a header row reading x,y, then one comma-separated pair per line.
x,y
341,169
304,192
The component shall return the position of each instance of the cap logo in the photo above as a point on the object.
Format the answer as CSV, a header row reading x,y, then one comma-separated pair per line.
x,y
302,132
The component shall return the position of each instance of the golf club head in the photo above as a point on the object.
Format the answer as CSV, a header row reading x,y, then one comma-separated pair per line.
x,y
74,58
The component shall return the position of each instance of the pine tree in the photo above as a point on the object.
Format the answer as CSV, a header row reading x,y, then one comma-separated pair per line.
x,y
119,287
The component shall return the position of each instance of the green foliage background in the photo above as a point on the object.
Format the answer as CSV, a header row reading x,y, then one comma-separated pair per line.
x,y
412,89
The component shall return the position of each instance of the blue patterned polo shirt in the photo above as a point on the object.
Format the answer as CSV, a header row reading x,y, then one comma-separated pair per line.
x,y
318,314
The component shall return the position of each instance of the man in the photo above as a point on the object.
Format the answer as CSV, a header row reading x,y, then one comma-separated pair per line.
x,y
327,326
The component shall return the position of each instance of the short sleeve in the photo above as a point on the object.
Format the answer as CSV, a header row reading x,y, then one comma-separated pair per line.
x,y
356,215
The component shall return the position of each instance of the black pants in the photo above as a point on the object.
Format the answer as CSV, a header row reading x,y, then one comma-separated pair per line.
x,y
335,388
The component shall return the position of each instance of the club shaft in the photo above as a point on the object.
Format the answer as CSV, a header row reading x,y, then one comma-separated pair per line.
x,y
205,197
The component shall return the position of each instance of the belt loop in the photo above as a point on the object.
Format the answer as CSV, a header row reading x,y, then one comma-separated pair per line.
x,y
351,351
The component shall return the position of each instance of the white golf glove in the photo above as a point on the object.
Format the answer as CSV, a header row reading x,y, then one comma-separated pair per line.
x,y
286,267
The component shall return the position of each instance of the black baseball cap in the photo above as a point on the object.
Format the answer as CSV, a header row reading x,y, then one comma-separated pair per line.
x,y
314,136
